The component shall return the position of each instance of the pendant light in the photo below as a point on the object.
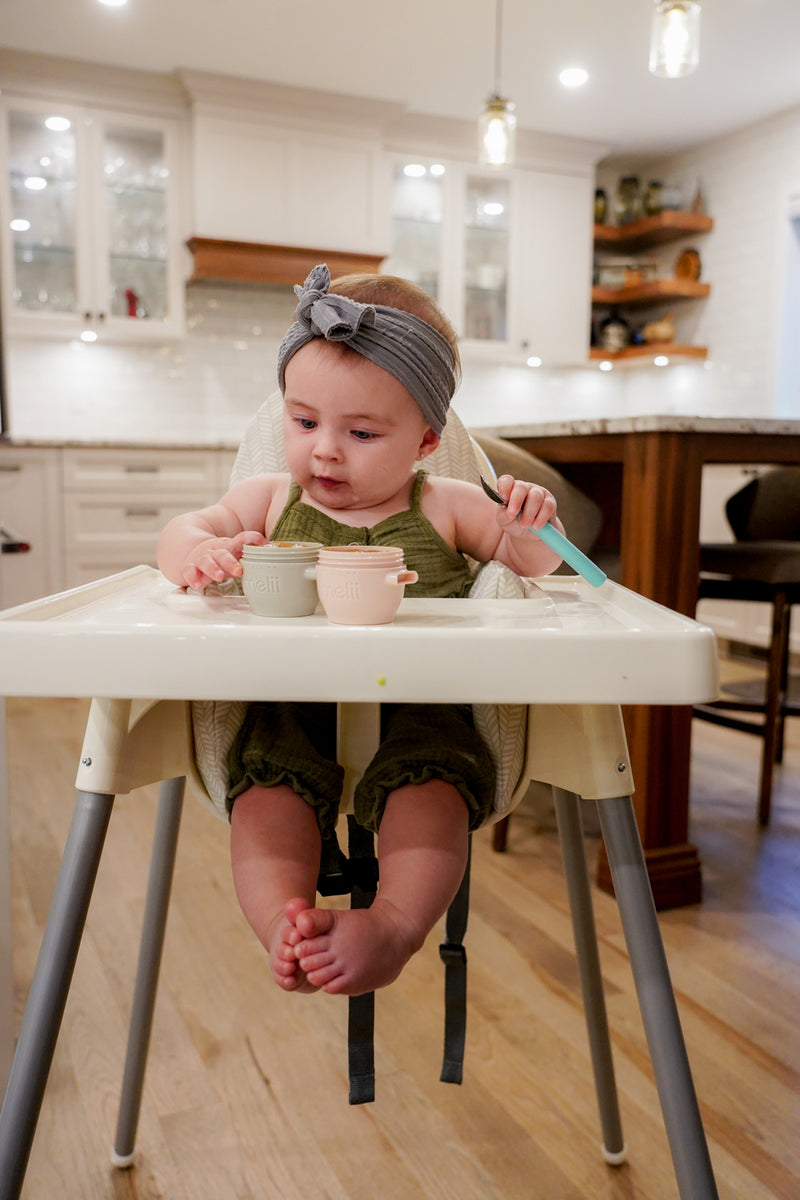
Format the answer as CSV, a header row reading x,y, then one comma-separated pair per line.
x,y
497,124
675,38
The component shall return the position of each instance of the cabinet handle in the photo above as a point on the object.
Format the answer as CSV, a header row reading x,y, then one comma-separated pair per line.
x,y
141,468
142,512
10,467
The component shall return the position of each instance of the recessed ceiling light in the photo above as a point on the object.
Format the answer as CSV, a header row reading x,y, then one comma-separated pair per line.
x,y
661,360
605,365
533,361
573,77
35,183
114,3
492,208
437,169
58,124
414,170
19,225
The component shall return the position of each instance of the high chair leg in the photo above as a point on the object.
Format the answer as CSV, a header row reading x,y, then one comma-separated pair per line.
x,y
162,865
50,987
573,850
659,1011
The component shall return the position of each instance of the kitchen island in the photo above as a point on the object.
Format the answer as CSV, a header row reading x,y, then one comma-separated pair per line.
x,y
646,473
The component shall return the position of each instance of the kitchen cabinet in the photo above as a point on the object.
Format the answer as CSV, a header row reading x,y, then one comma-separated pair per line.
x,y
638,292
29,506
265,181
90,232
506,255
117,501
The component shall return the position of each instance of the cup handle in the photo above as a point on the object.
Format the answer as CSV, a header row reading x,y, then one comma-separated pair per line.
x,y
400,578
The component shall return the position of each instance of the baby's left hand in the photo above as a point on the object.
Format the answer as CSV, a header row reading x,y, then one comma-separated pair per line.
x,y
527,504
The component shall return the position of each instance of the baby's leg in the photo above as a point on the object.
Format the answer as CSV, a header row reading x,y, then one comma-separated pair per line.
x,y
422,849
275,857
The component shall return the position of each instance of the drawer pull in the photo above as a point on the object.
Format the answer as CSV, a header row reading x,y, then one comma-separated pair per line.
x,y
142,468
9,467
142,512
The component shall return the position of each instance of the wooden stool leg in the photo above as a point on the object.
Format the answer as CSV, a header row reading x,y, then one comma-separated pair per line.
x,y
500,834
779,647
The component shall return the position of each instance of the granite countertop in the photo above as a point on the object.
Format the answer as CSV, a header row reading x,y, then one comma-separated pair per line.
x,y
645,424
656,423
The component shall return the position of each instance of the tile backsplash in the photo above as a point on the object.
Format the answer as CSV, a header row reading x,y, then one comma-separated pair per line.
x,y
203,388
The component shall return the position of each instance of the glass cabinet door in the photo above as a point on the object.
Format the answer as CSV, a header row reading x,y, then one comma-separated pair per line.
x,y
89,232
135,176
486,245
417,215
43,219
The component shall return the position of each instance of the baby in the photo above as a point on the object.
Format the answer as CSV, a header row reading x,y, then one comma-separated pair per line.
x,y
367,372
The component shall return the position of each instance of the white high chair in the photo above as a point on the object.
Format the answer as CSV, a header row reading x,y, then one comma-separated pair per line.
x,y
579,749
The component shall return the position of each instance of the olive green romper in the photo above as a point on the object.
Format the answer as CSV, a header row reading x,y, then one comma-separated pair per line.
x,y
295,743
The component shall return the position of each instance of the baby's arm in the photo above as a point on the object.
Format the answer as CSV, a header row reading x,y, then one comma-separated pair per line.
x,y
479,527
205,546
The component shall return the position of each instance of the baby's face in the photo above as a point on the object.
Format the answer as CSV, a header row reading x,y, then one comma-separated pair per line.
x,y
353,432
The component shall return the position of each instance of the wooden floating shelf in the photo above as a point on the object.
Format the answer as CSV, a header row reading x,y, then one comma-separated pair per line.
x,y
632,355
668,226
254,262
656,291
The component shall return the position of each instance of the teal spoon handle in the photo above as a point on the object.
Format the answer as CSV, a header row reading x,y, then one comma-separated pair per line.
x,y
571,554
557,542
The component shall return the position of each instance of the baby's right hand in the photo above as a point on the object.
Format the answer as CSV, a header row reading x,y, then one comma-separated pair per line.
x,y
218,558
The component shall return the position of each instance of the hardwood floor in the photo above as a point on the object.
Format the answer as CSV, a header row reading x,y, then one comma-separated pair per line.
x,y
246,1092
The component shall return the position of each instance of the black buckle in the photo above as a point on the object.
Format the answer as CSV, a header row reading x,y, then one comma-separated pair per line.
x,y
453,954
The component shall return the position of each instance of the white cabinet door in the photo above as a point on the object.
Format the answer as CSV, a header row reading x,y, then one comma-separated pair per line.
x,y
90,229
260,182
551,300
29,507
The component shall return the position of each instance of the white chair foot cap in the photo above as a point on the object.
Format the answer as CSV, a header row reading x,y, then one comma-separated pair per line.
x,y
122,1161
615,1158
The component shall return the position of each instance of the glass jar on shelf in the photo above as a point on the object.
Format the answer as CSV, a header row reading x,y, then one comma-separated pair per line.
x,y
628,200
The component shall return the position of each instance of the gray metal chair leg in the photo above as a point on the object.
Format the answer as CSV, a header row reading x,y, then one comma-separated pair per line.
x,y
50,987
573,850
162,865
659,1011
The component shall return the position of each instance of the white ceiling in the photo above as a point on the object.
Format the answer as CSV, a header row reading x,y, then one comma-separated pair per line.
x,y
437,56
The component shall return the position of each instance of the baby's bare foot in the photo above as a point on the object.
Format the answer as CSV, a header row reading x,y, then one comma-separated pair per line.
x,y
280,942
351,951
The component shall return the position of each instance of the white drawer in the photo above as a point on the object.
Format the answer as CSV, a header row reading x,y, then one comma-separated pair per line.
x,y
131,521
140,470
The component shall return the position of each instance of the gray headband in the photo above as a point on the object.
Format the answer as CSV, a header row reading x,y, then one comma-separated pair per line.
x,y
405,345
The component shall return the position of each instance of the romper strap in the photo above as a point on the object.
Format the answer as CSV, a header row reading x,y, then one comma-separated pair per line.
x,y
454,957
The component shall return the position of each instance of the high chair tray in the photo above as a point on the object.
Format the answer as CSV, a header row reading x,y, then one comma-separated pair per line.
x,y
135,635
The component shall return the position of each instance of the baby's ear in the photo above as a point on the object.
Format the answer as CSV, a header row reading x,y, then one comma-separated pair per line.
x,y
430,442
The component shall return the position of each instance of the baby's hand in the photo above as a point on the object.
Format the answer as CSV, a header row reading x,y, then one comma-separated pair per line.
x,y
527,504
218,558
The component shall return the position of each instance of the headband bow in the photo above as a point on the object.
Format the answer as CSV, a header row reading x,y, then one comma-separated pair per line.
x,y
403,344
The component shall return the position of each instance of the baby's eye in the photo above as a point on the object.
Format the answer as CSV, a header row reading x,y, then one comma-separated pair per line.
x,y
363,435
306,423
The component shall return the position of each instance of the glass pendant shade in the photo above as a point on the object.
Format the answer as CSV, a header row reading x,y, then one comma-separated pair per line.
x,y
675,38
496,133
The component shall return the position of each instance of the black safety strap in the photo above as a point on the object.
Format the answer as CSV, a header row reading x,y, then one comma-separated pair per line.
x,y
363,871
454,957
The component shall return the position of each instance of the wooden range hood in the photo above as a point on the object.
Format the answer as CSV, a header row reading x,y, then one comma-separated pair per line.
x,y
219,261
